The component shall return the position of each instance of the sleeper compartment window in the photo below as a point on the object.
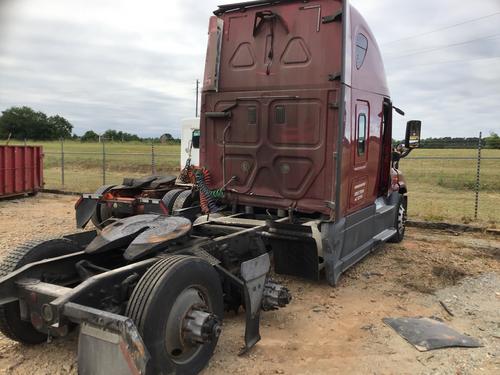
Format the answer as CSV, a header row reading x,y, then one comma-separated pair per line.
x,y
361,49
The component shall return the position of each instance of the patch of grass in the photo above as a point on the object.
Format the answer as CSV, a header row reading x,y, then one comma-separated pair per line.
x,y
83,163
444,190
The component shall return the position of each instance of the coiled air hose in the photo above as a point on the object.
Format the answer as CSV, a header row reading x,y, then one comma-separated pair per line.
x,y
207,197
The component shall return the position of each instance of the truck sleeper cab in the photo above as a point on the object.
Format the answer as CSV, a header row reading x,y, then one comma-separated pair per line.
x,y
297,118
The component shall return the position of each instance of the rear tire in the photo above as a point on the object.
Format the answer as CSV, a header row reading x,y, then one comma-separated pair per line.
x,y
169,199
153,307
11,324
101,214
400,221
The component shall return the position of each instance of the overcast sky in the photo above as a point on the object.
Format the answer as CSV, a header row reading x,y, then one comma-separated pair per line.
x,y
132,65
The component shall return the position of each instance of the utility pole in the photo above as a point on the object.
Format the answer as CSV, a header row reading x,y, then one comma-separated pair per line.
x,y
197,94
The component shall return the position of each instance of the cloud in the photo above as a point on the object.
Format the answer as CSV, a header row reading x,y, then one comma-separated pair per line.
x,y
452,89
132,66
104,64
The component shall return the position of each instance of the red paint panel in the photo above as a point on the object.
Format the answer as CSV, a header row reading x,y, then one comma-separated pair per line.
x,y
21,170
295,51
279,143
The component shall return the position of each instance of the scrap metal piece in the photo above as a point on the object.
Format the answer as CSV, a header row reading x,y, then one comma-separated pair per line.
x,y
428,334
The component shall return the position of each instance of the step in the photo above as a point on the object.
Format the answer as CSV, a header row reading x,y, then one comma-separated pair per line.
x,y
384,235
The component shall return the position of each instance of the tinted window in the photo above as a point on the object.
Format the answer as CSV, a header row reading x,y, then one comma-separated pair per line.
x,y
361,134
361,48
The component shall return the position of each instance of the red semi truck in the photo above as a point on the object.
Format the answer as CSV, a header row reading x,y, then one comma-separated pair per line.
x,y
296,173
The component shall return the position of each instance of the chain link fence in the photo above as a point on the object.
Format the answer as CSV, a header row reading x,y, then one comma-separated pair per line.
x,y
454,184
83,167
445,184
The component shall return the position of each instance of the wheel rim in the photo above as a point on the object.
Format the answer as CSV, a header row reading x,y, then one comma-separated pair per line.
x,y
178,336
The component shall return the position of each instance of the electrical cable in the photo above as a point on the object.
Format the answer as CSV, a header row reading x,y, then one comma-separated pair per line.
x,y
440,29
445,46
453,62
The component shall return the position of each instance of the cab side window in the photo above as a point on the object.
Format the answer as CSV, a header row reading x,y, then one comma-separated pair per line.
x,y
361,134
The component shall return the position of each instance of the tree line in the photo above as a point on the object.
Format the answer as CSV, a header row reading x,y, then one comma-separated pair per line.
x,y
25,123
492,142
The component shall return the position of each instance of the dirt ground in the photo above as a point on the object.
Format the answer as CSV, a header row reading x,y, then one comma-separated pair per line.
x,y
324,330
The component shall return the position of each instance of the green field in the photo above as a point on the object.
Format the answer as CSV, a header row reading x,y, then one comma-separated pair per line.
x,y
83,163
444,190
439,190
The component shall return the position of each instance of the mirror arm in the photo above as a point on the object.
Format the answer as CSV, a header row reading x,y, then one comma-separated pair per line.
x,y
398,110
406,152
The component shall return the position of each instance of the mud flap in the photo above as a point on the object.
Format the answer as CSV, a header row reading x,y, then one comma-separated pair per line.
x,y
88,204
109,344
253,272
85,210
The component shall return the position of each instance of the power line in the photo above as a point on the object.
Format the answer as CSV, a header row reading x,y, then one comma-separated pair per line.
x,y
490,59
445,46
441,29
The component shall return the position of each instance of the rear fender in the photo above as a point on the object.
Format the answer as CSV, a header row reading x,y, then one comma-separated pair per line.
x,y
84,209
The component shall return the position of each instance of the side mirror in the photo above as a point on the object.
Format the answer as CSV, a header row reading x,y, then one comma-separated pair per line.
x,y
195,139
413,129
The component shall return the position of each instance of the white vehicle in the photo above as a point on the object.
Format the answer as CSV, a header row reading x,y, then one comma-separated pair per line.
x,y
190,141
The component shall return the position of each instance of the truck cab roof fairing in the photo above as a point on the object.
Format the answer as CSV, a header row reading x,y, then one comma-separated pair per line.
x,y
371,74
250,4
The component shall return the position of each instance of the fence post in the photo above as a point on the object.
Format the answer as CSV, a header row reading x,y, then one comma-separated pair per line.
x,y
478,175
62,162
103,141
153,161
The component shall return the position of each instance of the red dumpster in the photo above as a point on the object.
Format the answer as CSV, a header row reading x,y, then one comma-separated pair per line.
x,y
21,170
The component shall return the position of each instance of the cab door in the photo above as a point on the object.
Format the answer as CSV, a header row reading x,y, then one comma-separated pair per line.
x,y
360,155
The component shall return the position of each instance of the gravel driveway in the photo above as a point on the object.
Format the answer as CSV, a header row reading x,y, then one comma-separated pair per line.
x,y
324,330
